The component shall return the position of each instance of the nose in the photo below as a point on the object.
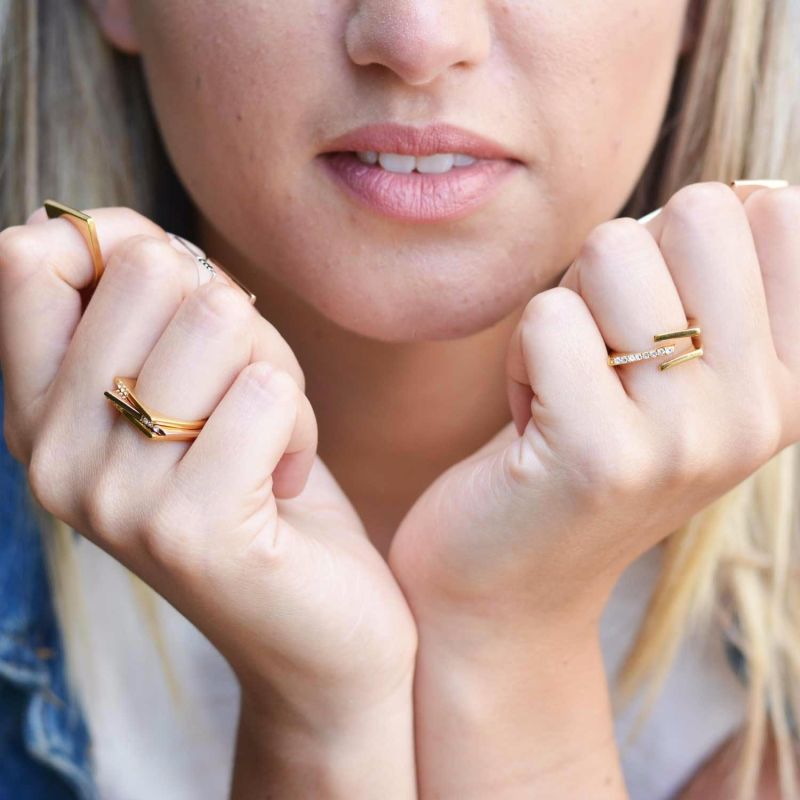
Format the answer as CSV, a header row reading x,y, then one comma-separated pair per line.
x,y
418,40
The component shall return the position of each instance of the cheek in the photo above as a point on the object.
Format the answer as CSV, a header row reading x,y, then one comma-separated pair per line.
x,y
601,76
231,88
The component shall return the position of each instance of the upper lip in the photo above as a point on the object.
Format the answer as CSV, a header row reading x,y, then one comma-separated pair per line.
x,y
390,137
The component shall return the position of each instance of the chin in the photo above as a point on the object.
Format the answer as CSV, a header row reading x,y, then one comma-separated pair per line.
x,y
415,310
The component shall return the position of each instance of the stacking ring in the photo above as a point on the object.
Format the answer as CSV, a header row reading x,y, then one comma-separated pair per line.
x,y
615,359
151,424
86,227
206,270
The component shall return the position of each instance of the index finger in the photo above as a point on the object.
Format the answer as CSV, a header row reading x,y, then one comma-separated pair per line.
x,y
44,266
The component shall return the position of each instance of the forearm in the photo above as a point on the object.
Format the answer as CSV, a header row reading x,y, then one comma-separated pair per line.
x,y
514,721
370,755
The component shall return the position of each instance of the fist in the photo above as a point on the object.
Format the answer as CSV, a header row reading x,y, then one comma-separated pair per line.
x,y
242,529
602,462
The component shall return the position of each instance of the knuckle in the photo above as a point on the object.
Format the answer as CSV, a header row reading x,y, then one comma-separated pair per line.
x,y
547,308
686,454
755,435
264,376
39,214
215,305
19,246
617,469
144,260
623,473
171,534
135,220
696,203
104,506
45,479
779,207
613,237
14,440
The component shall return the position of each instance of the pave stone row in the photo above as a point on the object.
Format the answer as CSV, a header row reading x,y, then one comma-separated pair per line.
x,y
658,351
122,390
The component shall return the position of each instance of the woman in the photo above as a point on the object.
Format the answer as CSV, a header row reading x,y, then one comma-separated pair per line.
x,y
414,478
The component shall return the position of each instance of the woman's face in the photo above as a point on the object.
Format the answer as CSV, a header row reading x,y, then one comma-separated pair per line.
x,y
251,95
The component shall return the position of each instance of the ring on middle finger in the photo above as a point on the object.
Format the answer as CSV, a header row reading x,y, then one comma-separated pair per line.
x,y
615,358
205,269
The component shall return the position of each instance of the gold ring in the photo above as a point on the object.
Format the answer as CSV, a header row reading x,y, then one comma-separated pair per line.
x,y
615,359
86,227
153,425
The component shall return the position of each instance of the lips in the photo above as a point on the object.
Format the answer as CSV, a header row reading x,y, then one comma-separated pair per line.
x,y
408,140
415,196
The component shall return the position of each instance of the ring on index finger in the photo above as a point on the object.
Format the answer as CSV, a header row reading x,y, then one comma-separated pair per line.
x,y
86,227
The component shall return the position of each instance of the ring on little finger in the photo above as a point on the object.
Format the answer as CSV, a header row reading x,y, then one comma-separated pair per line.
x,y
147,421
616,359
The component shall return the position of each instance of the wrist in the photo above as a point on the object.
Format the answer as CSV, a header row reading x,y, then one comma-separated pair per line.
x,y
503,631
518,716
364,750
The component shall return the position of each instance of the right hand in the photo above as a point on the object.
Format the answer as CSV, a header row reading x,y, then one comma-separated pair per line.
x,y
269,560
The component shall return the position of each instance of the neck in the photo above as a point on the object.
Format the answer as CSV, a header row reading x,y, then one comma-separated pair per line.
x,y
392,416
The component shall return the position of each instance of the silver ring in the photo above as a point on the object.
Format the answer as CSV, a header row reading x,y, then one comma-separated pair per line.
x,y
205,269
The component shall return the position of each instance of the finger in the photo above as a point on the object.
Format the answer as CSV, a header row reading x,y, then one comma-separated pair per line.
x,y
187,370
194,362
626,284
260,420
773,215
742,189
144,284
43,268
557,358
706,241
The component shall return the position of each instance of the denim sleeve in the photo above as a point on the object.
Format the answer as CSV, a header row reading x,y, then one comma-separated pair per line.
x,y
45,751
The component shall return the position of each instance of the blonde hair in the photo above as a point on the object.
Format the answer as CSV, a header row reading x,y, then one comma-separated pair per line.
x,y
734,112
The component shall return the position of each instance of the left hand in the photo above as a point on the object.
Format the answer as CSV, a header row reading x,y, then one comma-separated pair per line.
x,y
601,463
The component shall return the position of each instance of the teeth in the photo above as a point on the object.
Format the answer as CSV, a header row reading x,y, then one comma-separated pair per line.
x,y
435,164
392,162
440,162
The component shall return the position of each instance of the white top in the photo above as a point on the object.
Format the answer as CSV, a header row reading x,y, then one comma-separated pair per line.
x,y
144,749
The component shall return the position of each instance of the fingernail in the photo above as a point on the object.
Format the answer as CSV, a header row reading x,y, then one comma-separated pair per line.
x,y
648,217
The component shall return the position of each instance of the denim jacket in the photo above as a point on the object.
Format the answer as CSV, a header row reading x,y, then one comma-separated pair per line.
x,y
45,749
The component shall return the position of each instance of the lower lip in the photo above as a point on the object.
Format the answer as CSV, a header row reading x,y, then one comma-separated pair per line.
x,y
416,196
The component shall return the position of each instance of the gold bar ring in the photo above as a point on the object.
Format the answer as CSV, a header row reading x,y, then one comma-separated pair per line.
x,y
615,359
86,227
